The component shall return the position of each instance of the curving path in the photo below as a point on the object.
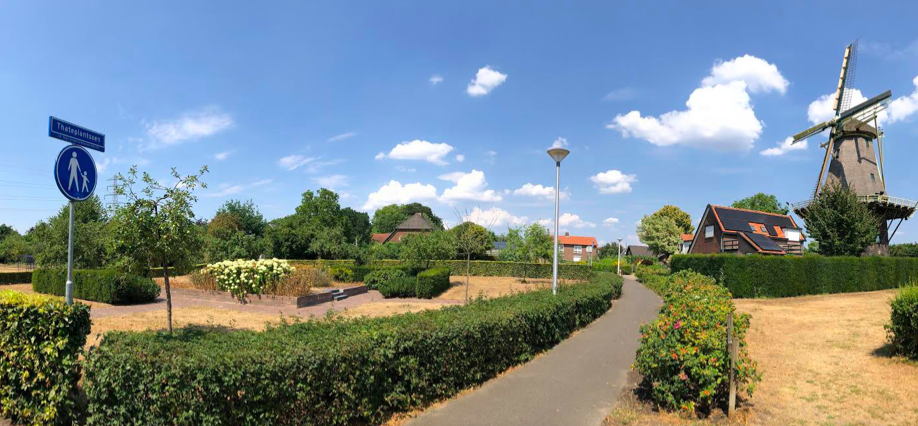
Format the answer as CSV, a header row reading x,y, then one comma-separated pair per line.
x,y
575,383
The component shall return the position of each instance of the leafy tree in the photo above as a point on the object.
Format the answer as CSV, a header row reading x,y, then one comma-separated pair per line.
x,y
608,250
682,219
12,247
660,233
419,249
761,202
235,232
386,251
328,242
471,239
6,231
357,226
841,224
157,225
514,252
91,235
285,240
318,224
387,218
904,250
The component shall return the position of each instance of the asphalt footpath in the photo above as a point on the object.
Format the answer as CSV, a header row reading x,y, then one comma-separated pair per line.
x,y
575,383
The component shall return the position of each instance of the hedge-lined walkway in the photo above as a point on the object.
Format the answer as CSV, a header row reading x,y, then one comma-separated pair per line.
x,y
576,383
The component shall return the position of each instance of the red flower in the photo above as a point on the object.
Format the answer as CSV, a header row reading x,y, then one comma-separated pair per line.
x,y
677,325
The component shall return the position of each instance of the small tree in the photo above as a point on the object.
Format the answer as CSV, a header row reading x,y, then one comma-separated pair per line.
x,y
157,225
419,249
761,202
660,233
472,239
607,250
682,219
537,247
841,224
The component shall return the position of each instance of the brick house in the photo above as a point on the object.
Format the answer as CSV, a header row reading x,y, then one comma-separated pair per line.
x,y
740,231
415,224
576,249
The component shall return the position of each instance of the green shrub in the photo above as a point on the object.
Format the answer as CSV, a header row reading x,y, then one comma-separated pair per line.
x,y
683,354
788,276
902,329
15,277
332,372
341,274
432,283
41,341
381,276
399,287
97,285
158,272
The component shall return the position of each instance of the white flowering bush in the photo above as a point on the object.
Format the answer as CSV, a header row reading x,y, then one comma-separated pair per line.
x,y
243,277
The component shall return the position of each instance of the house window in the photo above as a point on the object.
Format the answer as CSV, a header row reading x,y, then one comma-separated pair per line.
x,y
792,234
873,177
589,249
709,231
578,249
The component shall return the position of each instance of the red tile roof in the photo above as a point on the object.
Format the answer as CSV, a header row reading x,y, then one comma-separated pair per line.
x,y
571,240
687,237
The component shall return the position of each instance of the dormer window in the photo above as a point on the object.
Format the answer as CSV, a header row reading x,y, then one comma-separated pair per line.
x,y
793,234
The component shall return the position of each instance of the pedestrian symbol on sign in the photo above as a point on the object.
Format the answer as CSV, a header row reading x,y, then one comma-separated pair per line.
x,y
75,172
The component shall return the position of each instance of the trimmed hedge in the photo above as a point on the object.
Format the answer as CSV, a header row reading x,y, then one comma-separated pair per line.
x,y
332,372
158,272
15,277
381,276
902,329
432,283
41,341
683,354
399,287
772,276
486,268
97,285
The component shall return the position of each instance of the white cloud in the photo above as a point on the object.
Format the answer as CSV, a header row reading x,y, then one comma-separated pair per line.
x,y
492,157
623,94
759,75
396,193
227,189
436,79
220,156
485,81
342,137
494,217
189,126
460,158
784,147
469,186
419,150
539,191
905,106
452,177
613,182
402,168
719,115
823,108
610,222
332,181
293,162
574,221
559,143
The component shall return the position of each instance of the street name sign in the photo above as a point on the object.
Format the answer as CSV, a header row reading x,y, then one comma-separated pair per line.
x,y
75,173
69,132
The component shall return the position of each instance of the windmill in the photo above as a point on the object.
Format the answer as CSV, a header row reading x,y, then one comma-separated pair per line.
x,y
853,159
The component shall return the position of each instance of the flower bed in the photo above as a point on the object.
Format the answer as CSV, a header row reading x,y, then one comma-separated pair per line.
x,y
244,277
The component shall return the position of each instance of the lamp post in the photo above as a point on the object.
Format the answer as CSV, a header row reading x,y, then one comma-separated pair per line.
x,y
619,262
556,154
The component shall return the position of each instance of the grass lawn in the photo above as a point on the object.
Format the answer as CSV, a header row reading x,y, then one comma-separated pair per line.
x,y
489,287
825,361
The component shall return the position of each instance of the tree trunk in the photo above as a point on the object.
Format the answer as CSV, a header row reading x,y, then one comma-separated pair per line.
x,y
468,265
168,295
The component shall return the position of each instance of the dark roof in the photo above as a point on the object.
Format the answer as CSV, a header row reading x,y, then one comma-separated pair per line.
x,y
734,220
417,221
636,250
500,245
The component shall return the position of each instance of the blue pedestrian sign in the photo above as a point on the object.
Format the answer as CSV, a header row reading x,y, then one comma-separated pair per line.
x,y
75,173
69,132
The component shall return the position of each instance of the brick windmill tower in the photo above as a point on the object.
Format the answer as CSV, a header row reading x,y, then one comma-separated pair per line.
x,y
854,155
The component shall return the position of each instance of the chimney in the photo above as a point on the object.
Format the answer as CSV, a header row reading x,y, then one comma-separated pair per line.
x,y
567,234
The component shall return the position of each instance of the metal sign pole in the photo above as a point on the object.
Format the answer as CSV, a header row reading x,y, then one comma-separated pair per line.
x,y
69,289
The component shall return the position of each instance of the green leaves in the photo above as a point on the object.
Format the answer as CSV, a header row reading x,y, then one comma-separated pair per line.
x,y
841,224
661,234
902,329
761,202
98,285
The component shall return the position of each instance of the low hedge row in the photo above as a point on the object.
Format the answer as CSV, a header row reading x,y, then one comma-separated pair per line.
x,y
97,285
902,329
15,277
485,268
41,341
158,272
432,283
403,286
683,354
332,372
773,276
653,277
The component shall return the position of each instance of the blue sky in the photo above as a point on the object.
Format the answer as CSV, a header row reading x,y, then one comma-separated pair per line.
x,y
452,105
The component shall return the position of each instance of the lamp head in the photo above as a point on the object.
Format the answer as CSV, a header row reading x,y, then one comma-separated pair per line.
x,y
558,154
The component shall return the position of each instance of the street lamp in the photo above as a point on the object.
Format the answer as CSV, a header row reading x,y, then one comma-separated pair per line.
x,y
556,154
619,262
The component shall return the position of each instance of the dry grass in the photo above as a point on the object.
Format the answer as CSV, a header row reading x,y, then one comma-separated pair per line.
x,y
156,320
489,287
181,281
12,268
824,361
384,309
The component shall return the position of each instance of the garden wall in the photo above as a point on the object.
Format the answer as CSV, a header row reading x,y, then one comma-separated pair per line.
x,y
773,276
